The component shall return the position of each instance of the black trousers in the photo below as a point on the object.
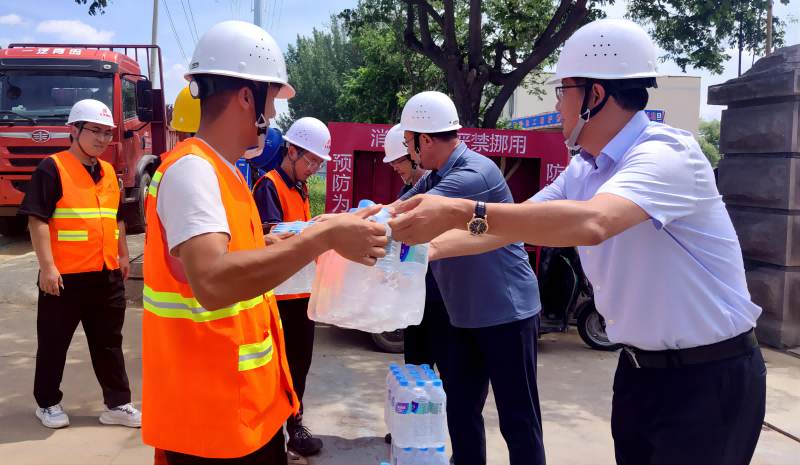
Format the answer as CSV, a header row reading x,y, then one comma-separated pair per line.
x,y
272,453
101,309
298,332
708,413
506,355
427,342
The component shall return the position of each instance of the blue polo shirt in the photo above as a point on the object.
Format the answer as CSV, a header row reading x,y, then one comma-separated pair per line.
x,y
494,287
673,282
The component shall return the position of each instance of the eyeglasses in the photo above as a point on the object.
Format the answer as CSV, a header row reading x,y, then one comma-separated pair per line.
x,y
100,135
394,163
406,142
560,90
314,166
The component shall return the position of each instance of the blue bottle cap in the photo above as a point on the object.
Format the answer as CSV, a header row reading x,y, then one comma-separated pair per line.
x,y
437,382
420,382
353,210
423,449
364,203
440,449
410,365
397,372
406,449
426,366
403,382
413,372
399,377
393,367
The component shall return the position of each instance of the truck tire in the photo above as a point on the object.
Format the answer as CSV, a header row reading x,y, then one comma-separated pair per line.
x,y
135,218
389,341
11,226
591,327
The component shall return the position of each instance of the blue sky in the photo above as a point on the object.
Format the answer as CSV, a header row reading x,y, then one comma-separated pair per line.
x,y
130,22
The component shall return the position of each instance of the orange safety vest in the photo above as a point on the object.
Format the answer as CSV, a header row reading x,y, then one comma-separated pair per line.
x,y
294,207
216,384
83,228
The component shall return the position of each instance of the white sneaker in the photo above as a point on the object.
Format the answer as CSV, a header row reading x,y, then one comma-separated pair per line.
x,y
125,415
53,417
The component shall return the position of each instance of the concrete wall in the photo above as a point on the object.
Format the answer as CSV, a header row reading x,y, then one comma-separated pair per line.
x,y
678,96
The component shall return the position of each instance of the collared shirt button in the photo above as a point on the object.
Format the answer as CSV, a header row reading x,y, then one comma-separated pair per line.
x,y
588,251
611,322
598,288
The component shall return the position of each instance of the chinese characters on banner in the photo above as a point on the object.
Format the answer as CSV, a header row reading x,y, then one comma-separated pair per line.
x,y
495,144
341,176
553,171
378,136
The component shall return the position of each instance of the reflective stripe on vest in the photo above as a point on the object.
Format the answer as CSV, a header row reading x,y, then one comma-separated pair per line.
x,y
153,190
255,355
73,235
116,233
64,213
174,305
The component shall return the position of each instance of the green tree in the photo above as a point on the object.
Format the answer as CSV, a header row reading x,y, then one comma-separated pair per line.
x,y
95,6
709,140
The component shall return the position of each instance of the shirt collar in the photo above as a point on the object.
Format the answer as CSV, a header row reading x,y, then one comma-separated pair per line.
x,y
624,139
286,179
462,147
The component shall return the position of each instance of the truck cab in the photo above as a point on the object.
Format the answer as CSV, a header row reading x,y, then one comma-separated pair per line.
x,y
39,84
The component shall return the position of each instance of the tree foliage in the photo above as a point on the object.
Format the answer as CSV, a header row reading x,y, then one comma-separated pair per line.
x,y
698,33
95,6
709,140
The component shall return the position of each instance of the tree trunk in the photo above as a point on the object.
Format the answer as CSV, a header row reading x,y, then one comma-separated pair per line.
x,y
467,88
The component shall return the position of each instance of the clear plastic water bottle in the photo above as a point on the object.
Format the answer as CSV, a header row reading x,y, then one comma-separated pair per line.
x,y
424,456
403,429
421,420
439,457
405,456
438,414
388,391
425,366
395,389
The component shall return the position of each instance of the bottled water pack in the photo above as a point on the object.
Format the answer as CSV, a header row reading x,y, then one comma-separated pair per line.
x,y
302,281
415,411
384,297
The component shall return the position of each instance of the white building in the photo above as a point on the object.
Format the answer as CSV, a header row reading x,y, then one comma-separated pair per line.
x,y
676,100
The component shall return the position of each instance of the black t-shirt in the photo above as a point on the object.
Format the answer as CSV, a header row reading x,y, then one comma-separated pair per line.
x,y
41,196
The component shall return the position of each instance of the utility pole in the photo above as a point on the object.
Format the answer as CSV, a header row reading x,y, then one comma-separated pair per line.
x,y
769,28
257,12
153,58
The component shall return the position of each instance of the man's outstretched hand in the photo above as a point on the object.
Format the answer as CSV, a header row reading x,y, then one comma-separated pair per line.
x,y
428,216
354,238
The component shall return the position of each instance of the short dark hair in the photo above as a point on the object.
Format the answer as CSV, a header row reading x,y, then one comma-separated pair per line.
x,y
79,125
628,99
445,136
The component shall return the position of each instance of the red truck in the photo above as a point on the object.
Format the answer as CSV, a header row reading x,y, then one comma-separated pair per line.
x,y
39,83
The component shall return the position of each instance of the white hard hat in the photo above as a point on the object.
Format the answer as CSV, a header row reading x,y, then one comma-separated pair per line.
x,y
429,113
91,111
311,134
242,50
607,49
393,145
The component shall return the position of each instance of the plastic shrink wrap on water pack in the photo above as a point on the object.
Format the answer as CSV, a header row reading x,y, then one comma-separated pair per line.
x,y
384,297
302,281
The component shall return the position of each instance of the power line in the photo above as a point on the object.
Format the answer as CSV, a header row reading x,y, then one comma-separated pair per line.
x,y
188,23
169,16
192,13
279,22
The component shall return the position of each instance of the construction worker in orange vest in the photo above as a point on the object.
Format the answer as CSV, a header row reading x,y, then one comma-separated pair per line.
x,y
216,382
282,196
73,206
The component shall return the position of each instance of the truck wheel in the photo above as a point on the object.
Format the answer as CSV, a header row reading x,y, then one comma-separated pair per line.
x,y
389,341
592,329
135,219
13,225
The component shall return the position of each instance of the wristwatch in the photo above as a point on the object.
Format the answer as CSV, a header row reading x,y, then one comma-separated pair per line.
x,y
478,225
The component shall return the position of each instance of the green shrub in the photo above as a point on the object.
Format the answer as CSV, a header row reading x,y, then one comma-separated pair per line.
x,y
316,195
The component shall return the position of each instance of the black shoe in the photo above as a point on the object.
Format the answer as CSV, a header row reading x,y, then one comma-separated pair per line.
x,y
388,438
302,442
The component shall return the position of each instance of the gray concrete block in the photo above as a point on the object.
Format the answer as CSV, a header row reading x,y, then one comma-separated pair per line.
x,y
769,128
754,181
769,236
774,76
777,292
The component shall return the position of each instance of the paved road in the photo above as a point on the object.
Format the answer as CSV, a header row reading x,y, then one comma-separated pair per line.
x,y
344,399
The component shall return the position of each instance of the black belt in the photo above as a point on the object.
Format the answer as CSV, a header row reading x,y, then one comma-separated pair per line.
x,y
739,345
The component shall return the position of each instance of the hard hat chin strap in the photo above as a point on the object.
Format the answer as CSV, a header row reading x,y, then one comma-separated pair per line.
x,y
586,114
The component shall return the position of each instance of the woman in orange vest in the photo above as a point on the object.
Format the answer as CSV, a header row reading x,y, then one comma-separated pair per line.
x,y
282,196
73,206
215,380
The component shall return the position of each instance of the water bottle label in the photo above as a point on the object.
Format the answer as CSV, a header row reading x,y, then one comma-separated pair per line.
x,y
435,408
420,409
413,254
401,408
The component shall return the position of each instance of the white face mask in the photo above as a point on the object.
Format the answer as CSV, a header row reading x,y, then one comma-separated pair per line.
x,y
255,151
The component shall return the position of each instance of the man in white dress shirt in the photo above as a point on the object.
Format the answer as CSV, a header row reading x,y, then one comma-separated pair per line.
x,y
641,205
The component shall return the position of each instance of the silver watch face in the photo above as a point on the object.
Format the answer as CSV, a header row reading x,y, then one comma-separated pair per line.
x,y
478,226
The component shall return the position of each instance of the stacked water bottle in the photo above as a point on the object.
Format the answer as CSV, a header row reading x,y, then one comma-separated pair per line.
x,y
385,297
302,281
415,407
